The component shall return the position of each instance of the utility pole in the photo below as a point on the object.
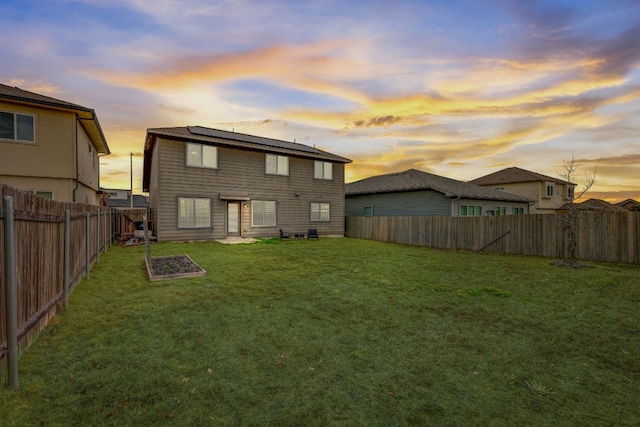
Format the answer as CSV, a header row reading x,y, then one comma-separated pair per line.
x,y
131,175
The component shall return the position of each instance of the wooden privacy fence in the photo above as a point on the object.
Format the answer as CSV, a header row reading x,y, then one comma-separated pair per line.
x,y
125,221
51,254
600,236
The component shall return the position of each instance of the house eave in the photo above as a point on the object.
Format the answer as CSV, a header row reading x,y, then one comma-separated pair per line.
x,y
86,115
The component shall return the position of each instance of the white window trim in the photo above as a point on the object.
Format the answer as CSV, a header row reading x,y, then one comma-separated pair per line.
x,y
201,146
275,213
467,213
319,211
280,160
15,127
320,166
548,186
180,225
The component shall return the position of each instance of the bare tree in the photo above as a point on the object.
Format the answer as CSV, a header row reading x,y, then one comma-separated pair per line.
x,y
570,219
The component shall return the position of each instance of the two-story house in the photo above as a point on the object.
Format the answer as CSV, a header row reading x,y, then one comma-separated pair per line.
x,y
207,184
418,193
549,193
50,147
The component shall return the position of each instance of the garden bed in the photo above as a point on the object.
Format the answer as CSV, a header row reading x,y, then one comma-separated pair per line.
x,y
172,267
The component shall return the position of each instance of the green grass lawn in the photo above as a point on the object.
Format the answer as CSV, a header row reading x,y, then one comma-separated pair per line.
x,y
338,332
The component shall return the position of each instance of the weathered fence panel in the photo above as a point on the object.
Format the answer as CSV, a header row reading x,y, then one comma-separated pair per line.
x,y
39,258
600,236
125,220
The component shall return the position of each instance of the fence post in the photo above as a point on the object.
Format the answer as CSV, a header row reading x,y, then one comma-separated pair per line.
x,y
105,234
67,234
98,236
87,232
11,296
146,240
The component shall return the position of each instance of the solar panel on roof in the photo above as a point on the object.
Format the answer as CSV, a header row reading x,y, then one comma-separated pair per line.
x,y
199,130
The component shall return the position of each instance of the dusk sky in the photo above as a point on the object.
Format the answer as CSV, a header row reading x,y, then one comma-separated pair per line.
x,y
456,88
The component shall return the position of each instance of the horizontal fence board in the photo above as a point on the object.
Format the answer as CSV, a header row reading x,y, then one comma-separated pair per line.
x,y
599,236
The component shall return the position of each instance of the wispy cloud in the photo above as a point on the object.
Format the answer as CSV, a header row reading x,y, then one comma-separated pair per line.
x,y
456,88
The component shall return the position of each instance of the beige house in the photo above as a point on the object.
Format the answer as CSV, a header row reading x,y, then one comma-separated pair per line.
x,y
209,184
49,146
548,193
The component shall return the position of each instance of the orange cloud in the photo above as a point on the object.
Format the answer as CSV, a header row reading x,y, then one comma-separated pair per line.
x,y
309,67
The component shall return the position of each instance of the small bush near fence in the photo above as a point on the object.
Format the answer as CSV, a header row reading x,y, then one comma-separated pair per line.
x,y
600,236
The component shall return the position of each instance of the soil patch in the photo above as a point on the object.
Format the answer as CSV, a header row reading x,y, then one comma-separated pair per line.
x,y
173,266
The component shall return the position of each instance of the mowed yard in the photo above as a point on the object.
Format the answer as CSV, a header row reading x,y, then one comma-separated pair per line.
x,y
338,332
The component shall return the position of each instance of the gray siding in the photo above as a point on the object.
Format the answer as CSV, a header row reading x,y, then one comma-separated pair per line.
x,y
488,205
406,203
420,203
153,191
240,173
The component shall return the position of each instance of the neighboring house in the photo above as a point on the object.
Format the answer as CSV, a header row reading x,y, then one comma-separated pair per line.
x,y
549,193
208,184
417,193
50,147
121,199
629,204
594,205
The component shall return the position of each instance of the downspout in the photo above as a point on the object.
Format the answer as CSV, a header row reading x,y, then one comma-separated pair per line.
x,y
454,200
75,140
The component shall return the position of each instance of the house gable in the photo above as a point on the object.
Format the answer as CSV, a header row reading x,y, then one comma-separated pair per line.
x,y
629,204
292,198
59,156
549,193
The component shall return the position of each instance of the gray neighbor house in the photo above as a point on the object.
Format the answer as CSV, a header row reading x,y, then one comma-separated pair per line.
x,y
417,193
207,184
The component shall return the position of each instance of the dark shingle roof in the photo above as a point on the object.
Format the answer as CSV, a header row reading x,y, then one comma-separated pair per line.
x,y
629,204
92,126
220,137
513,175
597,205
17,94
205,135
412,180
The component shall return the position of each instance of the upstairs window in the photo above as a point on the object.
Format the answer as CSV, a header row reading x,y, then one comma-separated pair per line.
x,y
322,170
518,211
501,210
202,156
18,127
276,165
549,190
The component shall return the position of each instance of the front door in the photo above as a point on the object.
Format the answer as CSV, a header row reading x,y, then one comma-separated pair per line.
x,y
233,219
